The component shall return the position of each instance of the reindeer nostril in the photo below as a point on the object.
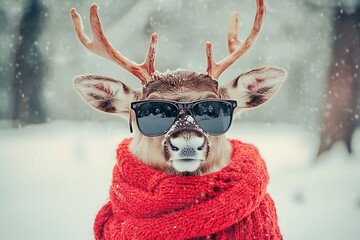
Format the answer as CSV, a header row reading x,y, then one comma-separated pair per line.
x,y
201,147
173,147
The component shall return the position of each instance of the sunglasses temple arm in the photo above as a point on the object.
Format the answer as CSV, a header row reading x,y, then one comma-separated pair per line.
x,y
130,124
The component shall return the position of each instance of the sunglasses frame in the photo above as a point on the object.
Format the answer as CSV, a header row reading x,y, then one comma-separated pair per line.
x,y
179,106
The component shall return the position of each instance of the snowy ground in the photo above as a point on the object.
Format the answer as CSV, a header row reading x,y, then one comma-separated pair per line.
x,y
54,178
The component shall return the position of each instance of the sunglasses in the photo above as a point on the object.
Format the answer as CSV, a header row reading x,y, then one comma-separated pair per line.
x,y
155,117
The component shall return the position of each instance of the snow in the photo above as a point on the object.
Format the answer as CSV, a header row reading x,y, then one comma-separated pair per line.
x,y
55,177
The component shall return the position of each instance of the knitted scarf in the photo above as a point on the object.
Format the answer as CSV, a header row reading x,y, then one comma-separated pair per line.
x,y
149,204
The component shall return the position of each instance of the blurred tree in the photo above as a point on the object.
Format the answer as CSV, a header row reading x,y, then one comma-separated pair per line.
x,y
29,67
3,62
340,108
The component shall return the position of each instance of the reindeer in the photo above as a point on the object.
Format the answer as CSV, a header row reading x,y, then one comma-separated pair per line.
x,y
179,117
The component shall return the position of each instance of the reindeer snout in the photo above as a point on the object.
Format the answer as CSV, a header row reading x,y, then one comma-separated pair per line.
x,y
186,146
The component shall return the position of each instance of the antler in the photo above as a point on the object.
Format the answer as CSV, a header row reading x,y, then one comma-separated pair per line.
x,y
102,47
235,47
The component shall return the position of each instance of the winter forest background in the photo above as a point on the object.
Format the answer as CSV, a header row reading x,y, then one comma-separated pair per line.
x,y
56,153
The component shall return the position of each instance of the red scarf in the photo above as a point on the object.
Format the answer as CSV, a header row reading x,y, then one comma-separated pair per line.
x,y
229,204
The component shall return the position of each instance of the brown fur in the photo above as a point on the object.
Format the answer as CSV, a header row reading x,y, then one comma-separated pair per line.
x,y
181,86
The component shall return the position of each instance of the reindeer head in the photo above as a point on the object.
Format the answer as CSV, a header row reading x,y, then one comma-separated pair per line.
x,y
180,117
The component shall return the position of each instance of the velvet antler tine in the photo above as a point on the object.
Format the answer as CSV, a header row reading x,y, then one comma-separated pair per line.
x,y
150,58
209,57
99,38
102,47
79,27
233,41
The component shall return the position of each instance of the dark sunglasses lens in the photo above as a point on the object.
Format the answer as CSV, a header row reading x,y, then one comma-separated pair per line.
x,y
154,118
214,117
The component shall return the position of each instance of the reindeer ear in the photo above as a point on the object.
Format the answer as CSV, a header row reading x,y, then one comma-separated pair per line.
x,y
105,94
255,87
